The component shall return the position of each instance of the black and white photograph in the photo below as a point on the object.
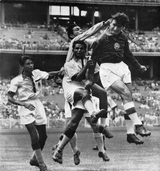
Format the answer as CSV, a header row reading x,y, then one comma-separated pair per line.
x,y
79,85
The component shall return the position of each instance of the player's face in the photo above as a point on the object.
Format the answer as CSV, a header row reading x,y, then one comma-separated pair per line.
x,y
28,65
115,28
77,31
79,51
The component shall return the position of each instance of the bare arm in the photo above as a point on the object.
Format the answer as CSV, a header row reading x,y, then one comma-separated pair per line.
x,y
11,99
90,32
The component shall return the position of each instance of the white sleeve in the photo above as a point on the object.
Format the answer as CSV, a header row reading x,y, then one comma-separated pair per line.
x,y
70,69
13,86
83,37
40,74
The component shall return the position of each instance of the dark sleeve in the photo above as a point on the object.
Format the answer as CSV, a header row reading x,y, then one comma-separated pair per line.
x,y
129,58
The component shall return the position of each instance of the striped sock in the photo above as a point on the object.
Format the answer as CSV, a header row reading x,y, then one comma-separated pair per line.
x,y
129,124
132,114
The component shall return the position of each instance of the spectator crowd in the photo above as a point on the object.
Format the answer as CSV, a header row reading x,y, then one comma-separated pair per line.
x,y
55,38
146,94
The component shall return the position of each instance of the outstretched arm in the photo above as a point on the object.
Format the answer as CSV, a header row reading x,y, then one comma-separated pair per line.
x,y
90,32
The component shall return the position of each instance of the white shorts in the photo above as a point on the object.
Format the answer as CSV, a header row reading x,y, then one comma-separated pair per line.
x,y
69,90
79,105
111,72
38,115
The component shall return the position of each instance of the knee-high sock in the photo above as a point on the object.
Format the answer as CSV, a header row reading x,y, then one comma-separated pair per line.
x,y
129,124
131,112
73,143
99,141
38,154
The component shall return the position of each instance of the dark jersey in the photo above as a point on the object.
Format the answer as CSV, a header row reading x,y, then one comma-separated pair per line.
x,y
114,49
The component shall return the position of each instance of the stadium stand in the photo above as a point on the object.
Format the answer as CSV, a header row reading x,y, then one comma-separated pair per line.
x,y
54,38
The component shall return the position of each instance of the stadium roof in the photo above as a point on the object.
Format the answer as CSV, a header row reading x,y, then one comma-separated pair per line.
x,y
100,2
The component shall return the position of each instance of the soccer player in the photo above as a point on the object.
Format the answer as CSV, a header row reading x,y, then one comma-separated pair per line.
x,y
78,97
24,91
111,51
75,34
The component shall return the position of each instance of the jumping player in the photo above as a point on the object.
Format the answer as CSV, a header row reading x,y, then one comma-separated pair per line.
x,y
111,51
75,34
77,96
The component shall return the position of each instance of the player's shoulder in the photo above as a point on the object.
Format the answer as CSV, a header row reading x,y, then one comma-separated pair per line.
x,y
36,71
17,79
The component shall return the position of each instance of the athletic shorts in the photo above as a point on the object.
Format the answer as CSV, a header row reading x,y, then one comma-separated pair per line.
x,y
69,90
38,115
79,105
111,72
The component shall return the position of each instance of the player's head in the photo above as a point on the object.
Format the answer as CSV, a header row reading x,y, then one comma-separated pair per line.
x,y
79,49
73,31
118,22
26,62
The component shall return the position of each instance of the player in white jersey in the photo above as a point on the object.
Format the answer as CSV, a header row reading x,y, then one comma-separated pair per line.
x,y
75,33
76,95
24,91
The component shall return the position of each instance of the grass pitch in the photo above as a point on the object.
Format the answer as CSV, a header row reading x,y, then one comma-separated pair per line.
x,y
15,152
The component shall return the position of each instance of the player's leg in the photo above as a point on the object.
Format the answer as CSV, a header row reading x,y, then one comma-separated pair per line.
x,y
99,92
42,135
68,134
73,141
99,140
129,107
36,145
84,95
42,139
131,137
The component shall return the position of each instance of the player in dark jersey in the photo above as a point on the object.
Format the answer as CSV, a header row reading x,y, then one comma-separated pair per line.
x,y
111,51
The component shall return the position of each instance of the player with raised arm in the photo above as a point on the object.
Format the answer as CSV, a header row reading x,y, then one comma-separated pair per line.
x,y
111,51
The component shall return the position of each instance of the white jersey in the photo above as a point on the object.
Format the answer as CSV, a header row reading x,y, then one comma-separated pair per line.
x,y
71,68
23,87
84,37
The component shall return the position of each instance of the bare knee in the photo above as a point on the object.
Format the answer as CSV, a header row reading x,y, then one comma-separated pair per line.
x,y
125,94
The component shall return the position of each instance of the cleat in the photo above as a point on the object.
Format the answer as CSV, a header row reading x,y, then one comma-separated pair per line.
x,y
105,131
103,156
34,162
43,167
95,148
57,156
95,117
131,138
141,130
54,148
76,158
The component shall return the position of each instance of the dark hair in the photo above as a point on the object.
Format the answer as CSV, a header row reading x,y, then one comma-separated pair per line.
x,y
24,58
121,18
79,42
70,29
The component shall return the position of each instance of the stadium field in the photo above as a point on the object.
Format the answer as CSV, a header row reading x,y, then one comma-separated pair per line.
x,y
15,152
